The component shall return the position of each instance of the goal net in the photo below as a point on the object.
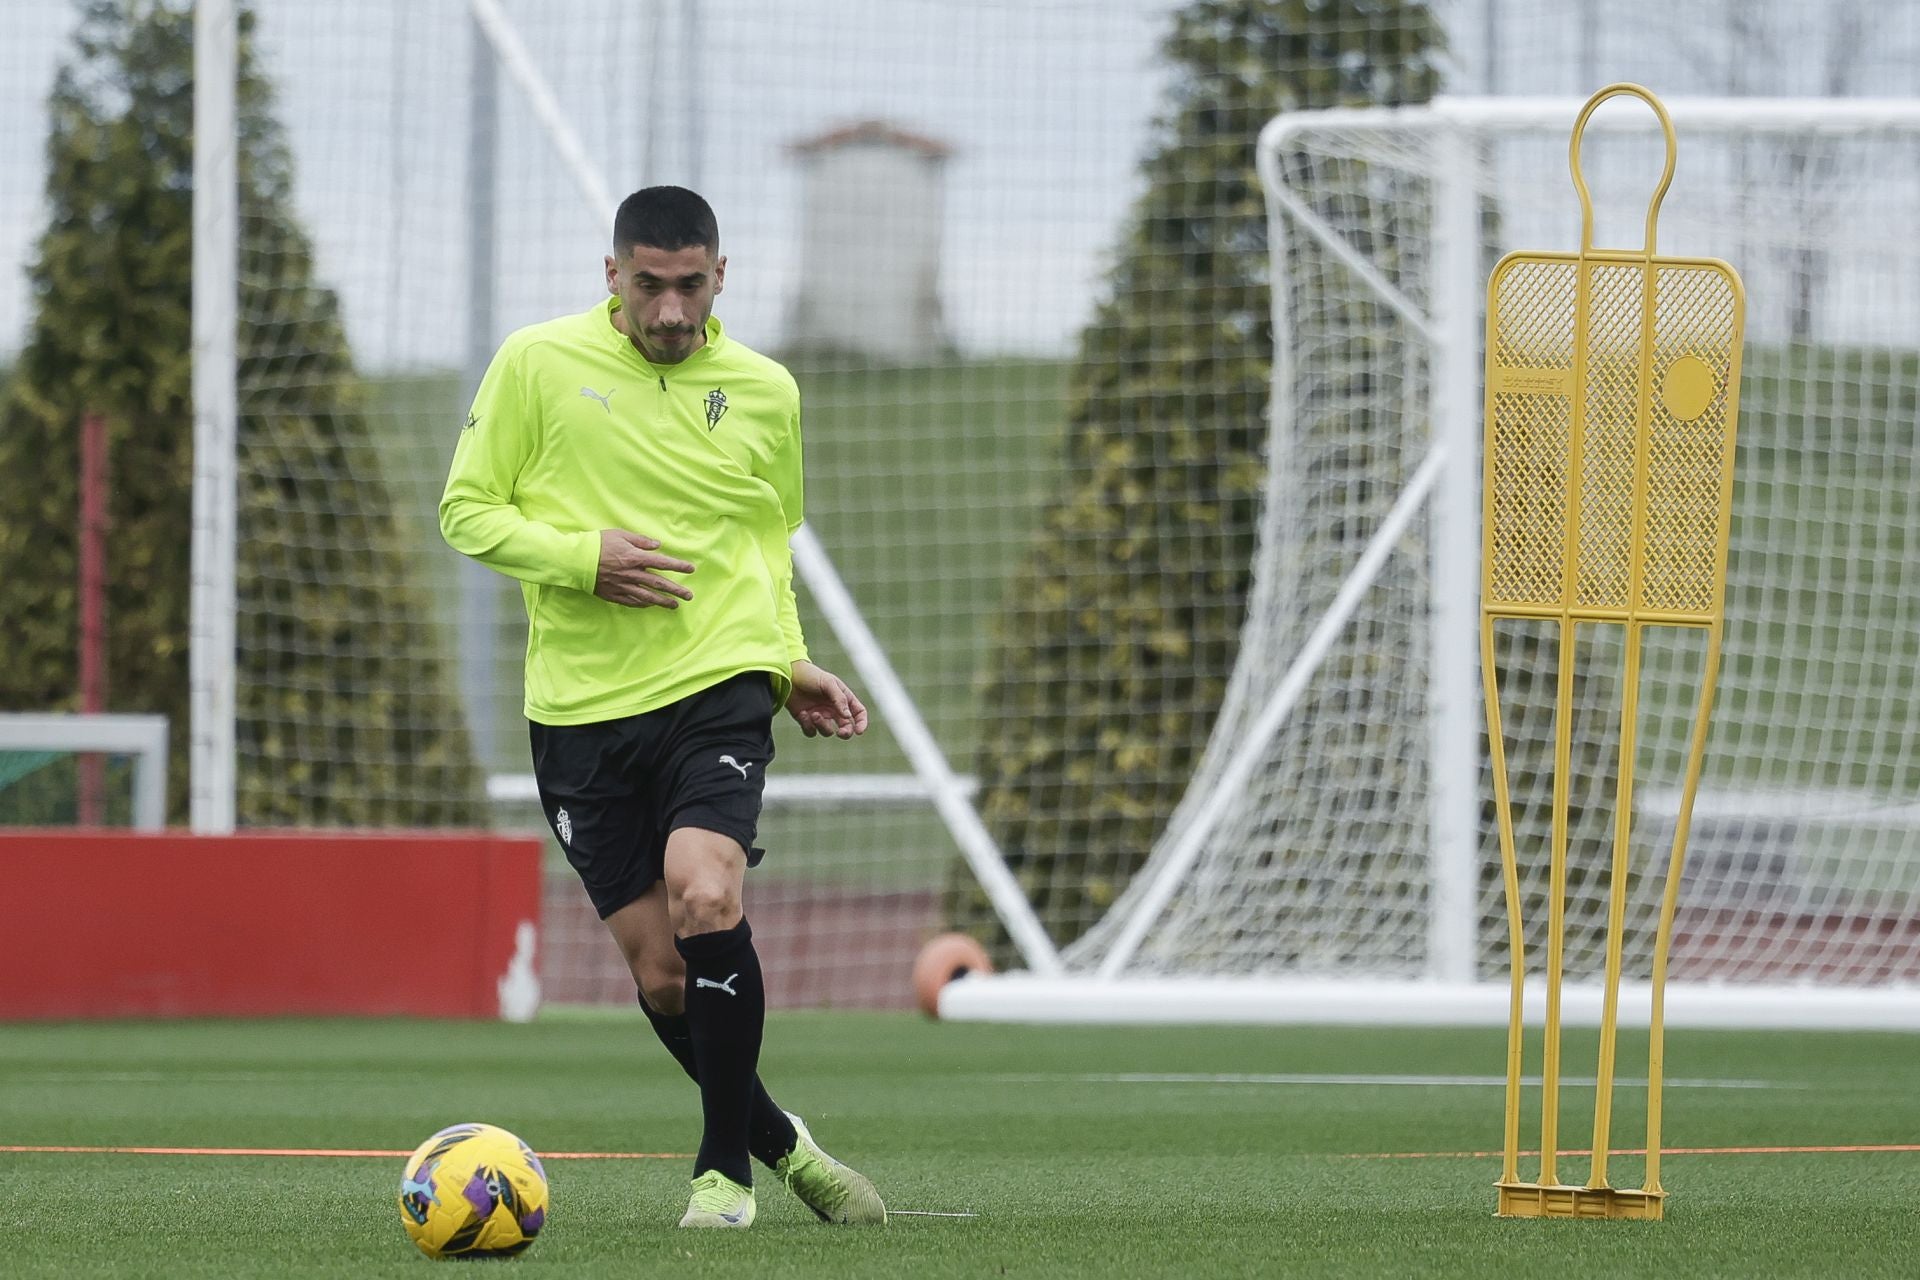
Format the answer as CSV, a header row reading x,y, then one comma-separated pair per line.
x,y
1340,825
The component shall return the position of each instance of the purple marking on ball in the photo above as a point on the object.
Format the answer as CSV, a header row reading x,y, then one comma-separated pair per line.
x,y
533,1160
531,1224
479,1193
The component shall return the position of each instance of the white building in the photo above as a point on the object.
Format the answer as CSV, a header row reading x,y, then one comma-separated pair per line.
x,y
872,214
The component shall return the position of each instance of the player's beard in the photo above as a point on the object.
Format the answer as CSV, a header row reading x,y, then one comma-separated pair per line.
x,y
672,347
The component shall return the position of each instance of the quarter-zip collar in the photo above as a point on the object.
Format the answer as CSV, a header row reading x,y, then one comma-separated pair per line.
x,y
709,350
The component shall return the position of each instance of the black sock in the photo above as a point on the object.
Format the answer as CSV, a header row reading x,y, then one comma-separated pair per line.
x,y
770,1135
726,1013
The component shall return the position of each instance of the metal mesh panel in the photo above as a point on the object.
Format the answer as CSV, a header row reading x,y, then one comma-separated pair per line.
x,y
1530,497
1687,458
1531,438
1606,470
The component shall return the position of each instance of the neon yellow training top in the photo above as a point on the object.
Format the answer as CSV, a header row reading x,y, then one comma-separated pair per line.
x,y
574,431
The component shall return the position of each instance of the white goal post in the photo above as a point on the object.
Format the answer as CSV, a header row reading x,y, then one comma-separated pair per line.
x,y
1332,860
141,738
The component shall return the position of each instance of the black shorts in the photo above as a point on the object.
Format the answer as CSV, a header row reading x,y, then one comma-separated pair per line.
x,y
615,790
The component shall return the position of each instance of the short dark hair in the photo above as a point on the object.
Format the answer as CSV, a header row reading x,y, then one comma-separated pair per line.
x,y
665,218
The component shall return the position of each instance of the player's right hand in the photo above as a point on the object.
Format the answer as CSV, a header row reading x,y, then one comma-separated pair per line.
x,y
630,565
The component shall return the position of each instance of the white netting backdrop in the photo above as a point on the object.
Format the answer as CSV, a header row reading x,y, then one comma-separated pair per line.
x,y
1805,857
987,156
997,142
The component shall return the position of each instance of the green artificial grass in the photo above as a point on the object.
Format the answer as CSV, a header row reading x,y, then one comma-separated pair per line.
x,y
1073,1171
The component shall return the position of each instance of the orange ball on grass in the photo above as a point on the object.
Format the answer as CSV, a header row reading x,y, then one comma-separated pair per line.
x,y
944,959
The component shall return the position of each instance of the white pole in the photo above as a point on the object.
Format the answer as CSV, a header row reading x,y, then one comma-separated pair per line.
x,y
480,587
1453,689
216,294
1253,752
520,67
653,26
1549,115
695,123
1490,19
150,774
950,792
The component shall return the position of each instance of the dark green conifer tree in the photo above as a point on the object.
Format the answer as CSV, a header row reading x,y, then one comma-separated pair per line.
x,y
344,709
1120,633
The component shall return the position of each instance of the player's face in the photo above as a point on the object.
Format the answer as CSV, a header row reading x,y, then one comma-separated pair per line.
x,y
666,296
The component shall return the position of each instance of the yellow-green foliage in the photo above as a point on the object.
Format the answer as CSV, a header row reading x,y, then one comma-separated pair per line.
x,y
344,715
1115,650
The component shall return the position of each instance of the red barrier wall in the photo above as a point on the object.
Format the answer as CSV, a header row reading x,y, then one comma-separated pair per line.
x,y
122,924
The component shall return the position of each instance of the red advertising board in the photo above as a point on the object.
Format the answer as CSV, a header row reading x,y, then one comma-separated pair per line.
x,y
100,924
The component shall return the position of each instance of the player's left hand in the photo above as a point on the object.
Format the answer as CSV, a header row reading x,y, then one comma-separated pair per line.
x,y
823,706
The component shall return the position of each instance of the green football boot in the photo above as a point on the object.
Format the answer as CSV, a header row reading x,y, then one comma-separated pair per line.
x,y
834,1192
718,1201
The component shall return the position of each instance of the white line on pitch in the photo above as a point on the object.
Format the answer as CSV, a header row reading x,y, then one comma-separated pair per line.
x,y
80,1075
1429,1081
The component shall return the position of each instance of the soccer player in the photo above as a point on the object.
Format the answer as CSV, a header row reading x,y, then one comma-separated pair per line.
x,y
639,472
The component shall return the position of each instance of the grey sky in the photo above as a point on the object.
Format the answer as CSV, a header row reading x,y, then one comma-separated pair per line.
x,y
1048,106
